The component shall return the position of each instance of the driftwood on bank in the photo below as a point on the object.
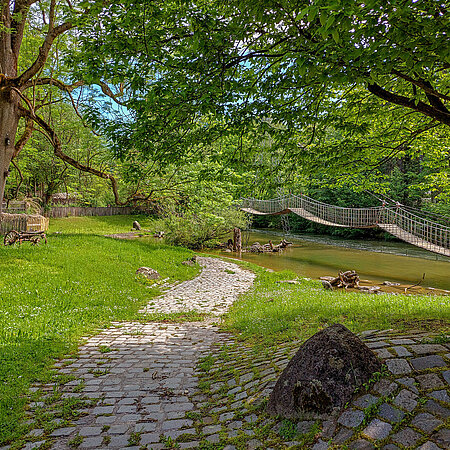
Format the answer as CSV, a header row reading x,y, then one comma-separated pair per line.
x,y
348,279
269,247
254,248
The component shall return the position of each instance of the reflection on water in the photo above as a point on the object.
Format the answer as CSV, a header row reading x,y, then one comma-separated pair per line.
x,y
315,256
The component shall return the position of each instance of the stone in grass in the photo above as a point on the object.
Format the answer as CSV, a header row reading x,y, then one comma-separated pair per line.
x,y
136,225
323,374
147,272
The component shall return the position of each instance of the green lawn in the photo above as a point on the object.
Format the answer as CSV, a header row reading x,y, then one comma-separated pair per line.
x,y
52,295
278,311
101,225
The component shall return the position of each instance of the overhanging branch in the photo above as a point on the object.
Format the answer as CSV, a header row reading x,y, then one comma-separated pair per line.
x,y
57,148
419,106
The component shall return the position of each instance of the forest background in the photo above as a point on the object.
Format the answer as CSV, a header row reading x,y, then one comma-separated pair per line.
x,y
185,107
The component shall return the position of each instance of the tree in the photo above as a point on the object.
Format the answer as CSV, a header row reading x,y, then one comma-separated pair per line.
x,y
24,76
311,75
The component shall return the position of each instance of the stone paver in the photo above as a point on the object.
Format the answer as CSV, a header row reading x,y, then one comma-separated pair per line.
x,y
213,291
146,382
377,430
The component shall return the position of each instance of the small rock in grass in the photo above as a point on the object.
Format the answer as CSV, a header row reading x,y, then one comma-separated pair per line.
x,y
147,272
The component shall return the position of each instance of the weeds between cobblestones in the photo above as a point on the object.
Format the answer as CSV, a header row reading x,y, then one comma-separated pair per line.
x,y
187,385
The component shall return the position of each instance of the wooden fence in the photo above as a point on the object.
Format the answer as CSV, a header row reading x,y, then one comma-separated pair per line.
x,y
78,211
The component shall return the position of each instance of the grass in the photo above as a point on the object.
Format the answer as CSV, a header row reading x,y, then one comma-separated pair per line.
x,y
52,295
279,311
102,225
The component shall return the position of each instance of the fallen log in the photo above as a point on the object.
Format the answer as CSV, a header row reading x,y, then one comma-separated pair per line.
x,y
346,280
268,248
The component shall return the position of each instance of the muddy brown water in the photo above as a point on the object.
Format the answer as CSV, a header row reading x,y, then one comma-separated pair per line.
x,y
316,256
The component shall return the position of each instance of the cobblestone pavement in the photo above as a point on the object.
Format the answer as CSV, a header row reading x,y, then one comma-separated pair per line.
x,y
213,291
142,376
409,407
160,386
133,382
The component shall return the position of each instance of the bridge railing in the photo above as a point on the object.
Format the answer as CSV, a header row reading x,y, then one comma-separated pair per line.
x,y
401,223
421,231
348,217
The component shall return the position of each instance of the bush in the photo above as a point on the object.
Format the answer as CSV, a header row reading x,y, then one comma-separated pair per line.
x,y
202,229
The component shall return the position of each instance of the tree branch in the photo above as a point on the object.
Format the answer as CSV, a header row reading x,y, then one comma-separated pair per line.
x,y
422,84
20,144
57,148
427,110
44,50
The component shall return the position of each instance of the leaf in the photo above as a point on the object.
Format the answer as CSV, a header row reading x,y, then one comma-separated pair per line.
x,y
335,34
313,10
330,22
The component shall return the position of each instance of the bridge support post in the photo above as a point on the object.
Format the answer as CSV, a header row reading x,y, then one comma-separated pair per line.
x,y
237,241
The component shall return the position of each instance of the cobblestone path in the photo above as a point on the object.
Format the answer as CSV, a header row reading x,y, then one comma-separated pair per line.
x,y
213,291
158,386
408,408
141,376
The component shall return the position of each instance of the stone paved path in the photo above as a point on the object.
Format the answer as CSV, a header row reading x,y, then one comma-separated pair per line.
x,y
213,291
141,376
407,408
158,386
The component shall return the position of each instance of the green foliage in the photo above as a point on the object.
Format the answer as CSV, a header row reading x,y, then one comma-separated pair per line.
x,y
326,87
288,430
202,229
203,214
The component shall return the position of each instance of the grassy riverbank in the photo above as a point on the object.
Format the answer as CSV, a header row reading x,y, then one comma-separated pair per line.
x,y
275,311
52,295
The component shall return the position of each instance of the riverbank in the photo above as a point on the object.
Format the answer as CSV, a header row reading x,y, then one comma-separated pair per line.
x,y
315,257
80,282
146,384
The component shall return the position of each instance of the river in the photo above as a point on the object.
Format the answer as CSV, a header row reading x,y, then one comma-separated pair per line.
x,y
315,256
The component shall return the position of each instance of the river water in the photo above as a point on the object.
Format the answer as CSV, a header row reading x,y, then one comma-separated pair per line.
x,y
315,256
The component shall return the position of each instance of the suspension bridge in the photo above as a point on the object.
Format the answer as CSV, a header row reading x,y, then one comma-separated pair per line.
x,y
394,219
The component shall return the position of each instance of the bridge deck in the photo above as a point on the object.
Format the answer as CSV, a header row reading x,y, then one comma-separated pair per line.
x,y
396,231
309,216
399,222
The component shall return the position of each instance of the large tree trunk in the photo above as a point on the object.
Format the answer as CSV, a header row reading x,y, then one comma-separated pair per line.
x,y
9,99
9,119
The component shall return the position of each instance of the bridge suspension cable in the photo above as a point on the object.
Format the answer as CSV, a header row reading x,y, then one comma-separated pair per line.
x,y
395,219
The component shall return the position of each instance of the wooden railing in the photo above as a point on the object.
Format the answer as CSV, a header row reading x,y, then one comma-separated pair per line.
x,y
396,220
79,211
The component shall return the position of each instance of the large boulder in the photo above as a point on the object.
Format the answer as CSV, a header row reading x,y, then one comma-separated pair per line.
x,y
323,374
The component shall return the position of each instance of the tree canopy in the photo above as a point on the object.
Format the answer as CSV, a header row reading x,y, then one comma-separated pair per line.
x,y
325,80
279,88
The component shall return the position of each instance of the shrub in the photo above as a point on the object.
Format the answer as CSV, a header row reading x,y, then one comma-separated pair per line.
x,y
202,229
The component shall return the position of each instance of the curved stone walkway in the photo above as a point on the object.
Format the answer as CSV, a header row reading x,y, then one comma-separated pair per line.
x,y
155,386
140,377
213,291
